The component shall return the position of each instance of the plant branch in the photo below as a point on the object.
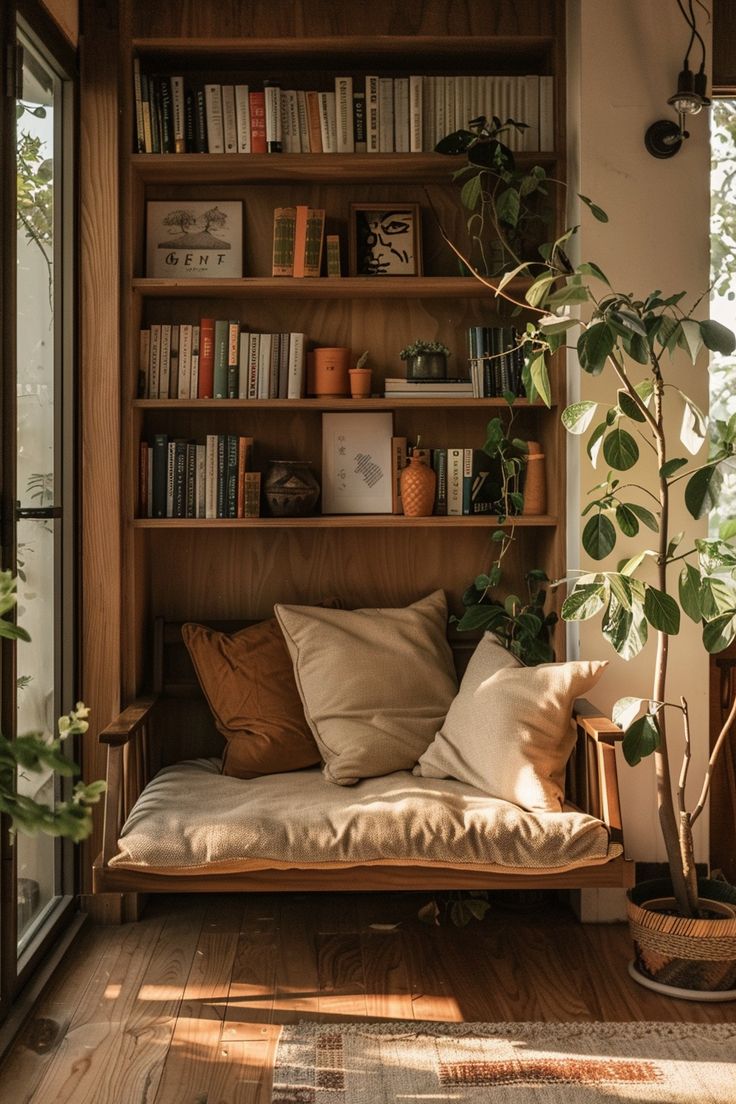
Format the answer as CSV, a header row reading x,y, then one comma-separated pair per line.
x,y
686,757
717,748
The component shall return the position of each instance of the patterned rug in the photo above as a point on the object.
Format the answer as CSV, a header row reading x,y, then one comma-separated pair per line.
x,y
526,1063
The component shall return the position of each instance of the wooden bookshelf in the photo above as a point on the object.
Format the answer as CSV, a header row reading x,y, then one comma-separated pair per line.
x,y
347,521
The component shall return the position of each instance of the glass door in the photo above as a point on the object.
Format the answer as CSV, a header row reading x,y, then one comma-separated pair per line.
x,y
37,484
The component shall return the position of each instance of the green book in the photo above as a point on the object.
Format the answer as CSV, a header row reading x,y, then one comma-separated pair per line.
x,y
222,330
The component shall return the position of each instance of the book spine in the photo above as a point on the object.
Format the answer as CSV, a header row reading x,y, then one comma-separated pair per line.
x,y
243,348
159,464
416,114
295,384
386,114
398,463
213,110
252,495
154,96
190,141
334,267
291,115
264,366
313,122
143,461
303,122
221,475
245,451
200,121
274,366
194,376
170,477
165,363
185,361
229,123
439,463
327,122
233,362
200,504
220,359
210,489
359,130
140,142
174,363
467,479
166,107
254,352
314,241
242,117
546,114
177,103
454,481
531,112
231,502
344,114
146,114
283,241
401,114
144,364
272,94
301,217
257,122
191,480
372,115
206,358
155,361
428,112
440,128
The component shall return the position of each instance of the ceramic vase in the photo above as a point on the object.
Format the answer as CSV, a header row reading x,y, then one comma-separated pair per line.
x,y
418,482
426,366
290,488
331,371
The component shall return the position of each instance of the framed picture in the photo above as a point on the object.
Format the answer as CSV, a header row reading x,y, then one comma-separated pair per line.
x,y
385,240
194,239
356,463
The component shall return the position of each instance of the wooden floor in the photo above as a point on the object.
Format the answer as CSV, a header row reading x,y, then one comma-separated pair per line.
x,y
185,1006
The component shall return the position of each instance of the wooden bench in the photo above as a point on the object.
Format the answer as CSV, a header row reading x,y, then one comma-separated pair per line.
x,y
174,723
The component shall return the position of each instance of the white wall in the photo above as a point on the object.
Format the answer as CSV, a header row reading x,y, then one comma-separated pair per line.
x,y
624,57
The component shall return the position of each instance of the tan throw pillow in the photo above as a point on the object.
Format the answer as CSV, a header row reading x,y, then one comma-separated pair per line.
x,y
248,680
375,683
508,731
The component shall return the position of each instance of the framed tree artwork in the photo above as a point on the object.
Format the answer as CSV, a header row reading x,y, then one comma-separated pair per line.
x,y
194,239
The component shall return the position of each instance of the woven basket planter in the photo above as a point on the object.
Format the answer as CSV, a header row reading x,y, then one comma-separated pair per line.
x,y
692,955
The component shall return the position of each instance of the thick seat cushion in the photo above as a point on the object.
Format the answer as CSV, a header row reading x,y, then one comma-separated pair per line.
x,y
190,817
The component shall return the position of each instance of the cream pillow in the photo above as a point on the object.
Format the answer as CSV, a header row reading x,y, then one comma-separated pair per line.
x,y
508,731
376,684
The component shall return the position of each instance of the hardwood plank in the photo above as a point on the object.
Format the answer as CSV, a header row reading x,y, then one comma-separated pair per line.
x,y
195,1052
387,985
297,975
250,997
341,976
432,994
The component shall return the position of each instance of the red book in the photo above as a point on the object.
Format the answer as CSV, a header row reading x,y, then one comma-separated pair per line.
x,y
258,122
206,383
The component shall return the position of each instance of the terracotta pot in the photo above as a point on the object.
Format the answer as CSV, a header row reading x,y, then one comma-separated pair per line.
x,y
360,382
331,371
290,488
418,483
694,959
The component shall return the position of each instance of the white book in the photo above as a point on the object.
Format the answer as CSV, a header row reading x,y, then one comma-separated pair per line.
x,y
243,361
386,114
455,457
242,117
144,364
467,101
264,366
428,137
344,114
440,130
460,121
154,371
327,121
474,105
200,482
401,114
371,115
213,115
531,112
303,121
297,358
489,90
546,114
517,90
170,476
185,361
210,478
287,135
254,354
416,114
449,105
165,361
177,110
194,376
229,125
272,98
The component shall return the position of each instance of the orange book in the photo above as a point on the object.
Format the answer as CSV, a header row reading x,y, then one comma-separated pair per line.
x,y
313,126
245,449
300,238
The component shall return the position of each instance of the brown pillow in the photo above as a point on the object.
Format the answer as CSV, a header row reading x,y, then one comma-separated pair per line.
x,y
248,680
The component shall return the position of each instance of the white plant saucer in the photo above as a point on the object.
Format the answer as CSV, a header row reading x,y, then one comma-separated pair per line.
x,y
711,996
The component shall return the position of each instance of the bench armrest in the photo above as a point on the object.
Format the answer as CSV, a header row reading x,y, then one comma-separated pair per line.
x,y
127,740
593,778
128,723
595,724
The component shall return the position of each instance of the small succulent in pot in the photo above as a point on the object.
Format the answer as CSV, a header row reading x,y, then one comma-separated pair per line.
x,y
425,360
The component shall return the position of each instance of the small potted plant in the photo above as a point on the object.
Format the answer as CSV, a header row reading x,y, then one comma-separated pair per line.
x,y
360,378
425,360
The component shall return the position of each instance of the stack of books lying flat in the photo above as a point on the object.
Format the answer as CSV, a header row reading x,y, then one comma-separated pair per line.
x,y
436,388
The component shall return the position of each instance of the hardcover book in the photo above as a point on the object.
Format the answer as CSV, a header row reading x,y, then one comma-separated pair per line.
x,y
356,463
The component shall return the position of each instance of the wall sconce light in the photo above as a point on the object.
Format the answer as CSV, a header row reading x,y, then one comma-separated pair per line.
x,y
664,138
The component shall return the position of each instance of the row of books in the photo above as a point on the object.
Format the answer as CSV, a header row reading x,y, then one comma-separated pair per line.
x,y
181,478
468,480
372,114
219,359
298,238
496,361
396,387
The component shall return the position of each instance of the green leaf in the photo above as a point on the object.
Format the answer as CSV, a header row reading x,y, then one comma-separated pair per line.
x,y
637,347
646,517
457,142
538,291
13,632
596,211
540,379
689,592
551,324
628,567
629,407
628,320
620,588
717,338
625,629
593,446
717,596
594,347
484,615
627,521
620,450
694,428
625,710
667,330
691,340
674,544
569,294
671,466
577,417
715,555
727,529
599,537
661,611
585,602
702,490
640,740
470,192
587,268
508,206
720,632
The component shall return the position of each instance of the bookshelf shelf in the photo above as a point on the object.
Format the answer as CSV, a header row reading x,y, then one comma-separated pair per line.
x,y
317,405
346,521
324,287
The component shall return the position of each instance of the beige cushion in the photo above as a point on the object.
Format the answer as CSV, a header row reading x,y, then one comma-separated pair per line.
x,y
248,680
375,683
508,731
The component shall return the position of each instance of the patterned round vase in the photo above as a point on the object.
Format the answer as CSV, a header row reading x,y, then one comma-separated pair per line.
x,y
418,482
290,488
